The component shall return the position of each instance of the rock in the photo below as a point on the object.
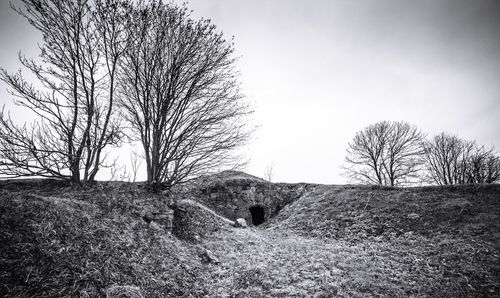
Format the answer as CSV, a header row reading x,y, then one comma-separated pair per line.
x,y
147,215
413,216
168,223
165,218
155,226
240,222
208,256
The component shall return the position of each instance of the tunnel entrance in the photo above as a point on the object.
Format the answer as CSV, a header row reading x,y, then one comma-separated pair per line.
x,y
257,215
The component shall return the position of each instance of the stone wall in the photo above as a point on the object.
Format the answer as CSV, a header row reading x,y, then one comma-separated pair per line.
x,y
233,197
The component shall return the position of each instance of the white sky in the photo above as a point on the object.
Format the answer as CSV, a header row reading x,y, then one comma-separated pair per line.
x,y
318,71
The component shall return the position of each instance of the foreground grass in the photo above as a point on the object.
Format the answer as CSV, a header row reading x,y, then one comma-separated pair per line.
x,y
266,263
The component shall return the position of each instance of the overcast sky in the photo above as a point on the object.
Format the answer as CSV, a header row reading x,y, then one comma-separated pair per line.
x,y
318,71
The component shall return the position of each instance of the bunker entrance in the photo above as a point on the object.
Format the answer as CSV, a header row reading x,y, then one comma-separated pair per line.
x,y
257,215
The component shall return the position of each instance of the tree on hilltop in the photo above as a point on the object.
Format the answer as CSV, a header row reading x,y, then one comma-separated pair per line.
x,y
385,153
451,160
82,43
180,95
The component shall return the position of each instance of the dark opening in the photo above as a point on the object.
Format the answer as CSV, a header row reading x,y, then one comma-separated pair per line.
x,y
257,215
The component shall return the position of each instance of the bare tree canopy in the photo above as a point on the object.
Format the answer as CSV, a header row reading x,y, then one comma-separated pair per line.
x,y
180,94
446,159
82,44
385,153
269,172
451,160
483,166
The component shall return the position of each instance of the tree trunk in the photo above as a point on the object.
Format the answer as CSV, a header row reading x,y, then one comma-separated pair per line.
x,y
75,174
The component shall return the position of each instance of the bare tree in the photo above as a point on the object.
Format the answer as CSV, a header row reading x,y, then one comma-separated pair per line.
x,y
483,166
269,172
446,159
135,162
491,167
82,43
451,160
268,175
385,153
180,94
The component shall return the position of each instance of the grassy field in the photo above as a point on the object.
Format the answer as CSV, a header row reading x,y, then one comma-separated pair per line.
x,y
341,241
334,241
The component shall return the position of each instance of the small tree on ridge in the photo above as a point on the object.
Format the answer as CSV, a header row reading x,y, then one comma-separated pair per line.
x,y
385,153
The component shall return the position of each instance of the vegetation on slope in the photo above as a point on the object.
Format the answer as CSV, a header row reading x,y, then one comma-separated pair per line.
x,y
357,212
56,241
193,221
438,241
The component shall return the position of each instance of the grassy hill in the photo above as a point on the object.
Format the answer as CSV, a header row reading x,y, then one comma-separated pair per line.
x,y
358,212
430,241
344,241
56,242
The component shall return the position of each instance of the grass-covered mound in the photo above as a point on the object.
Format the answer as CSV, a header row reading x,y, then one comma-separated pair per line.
x,y
56,241
193,221
363,211
427,241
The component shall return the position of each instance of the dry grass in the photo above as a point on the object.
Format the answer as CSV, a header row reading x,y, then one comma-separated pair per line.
x,y
89,243
357,212
432,241
260,263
